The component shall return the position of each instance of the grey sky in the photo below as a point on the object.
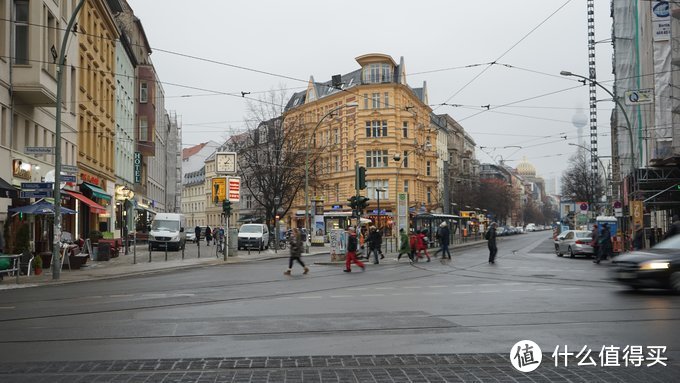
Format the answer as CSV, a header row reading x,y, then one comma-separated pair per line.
x,y
296,39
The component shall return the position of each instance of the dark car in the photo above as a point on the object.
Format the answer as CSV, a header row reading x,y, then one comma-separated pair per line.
x,y
658,267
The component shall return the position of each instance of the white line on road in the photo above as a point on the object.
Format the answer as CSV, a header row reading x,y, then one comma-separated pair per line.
x,y
6,307
342,296
310,297
384,288
121,296
372,295
438,287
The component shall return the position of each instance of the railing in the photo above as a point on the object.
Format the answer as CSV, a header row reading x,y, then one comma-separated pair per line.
x,y
15,267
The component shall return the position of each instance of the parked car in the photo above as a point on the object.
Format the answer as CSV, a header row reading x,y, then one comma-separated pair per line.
x,y
191,236
658,267
167,230
530,227
253,235
574,242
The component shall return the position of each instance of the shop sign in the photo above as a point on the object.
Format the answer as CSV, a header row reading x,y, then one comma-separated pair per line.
x,y
234,189
137,164
219,189
90,179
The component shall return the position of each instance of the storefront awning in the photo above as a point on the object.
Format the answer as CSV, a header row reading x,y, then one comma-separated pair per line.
x,y
97,191
95,208
7,190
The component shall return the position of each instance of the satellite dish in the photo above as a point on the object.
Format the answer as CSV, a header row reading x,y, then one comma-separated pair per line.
x,y
49,177
579,119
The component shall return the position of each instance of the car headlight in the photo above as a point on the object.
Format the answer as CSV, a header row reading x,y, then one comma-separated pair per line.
x,y
654,265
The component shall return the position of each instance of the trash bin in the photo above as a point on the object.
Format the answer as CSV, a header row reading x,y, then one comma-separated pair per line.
x,y
104,251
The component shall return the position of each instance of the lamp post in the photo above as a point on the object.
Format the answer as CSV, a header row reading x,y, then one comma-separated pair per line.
x,y
56,266
397,158
618,103
329,113
379,190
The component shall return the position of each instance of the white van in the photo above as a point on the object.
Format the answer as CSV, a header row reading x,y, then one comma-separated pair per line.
x,y
253,235
167,229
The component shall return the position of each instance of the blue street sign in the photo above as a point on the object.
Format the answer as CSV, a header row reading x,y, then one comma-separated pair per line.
x,y
65,178
35,193
36,185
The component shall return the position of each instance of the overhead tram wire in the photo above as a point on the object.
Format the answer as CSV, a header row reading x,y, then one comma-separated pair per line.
x,y
507,51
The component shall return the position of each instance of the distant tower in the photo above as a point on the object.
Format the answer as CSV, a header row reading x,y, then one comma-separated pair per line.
x,y
580,120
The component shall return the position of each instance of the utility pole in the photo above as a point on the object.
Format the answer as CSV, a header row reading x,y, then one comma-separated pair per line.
x,y
56,265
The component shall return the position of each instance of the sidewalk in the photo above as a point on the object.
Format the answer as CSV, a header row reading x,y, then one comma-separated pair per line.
x,y
123,266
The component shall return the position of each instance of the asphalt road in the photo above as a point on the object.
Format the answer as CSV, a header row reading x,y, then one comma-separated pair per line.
x,y
252,310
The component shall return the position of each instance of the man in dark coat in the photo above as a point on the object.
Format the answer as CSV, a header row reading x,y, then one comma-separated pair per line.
x,y
595,242
605,241
490,236
296,252
444,234
208,235
197,231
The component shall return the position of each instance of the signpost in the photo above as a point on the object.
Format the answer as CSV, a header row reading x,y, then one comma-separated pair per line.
x,y
36,189
35,194
39,150
70,169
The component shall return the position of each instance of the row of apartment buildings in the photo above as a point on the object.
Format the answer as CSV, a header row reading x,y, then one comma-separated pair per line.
x,y
115,130
370,117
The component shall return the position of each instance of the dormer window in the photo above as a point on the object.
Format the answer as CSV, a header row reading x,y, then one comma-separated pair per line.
x,y
377,73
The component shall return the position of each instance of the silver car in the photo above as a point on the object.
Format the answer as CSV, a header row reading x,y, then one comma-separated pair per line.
x,y
574,242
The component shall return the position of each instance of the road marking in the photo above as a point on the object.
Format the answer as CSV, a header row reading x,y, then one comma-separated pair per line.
x,y
548,289
384,288
372,295
310,297
411,287
341,296
516,290
121,296
438,287
571,288
6,307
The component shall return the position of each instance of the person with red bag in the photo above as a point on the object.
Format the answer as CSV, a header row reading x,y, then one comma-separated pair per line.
x,y
420,245
352,246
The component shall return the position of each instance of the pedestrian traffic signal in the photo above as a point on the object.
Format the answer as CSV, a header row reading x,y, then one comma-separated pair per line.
x,y
361,177
226,207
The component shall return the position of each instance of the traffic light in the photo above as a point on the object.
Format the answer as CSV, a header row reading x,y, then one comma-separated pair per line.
x,y
361,177
226,207
362,203
353,202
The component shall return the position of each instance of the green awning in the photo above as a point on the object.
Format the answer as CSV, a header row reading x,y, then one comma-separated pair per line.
x,y
97,191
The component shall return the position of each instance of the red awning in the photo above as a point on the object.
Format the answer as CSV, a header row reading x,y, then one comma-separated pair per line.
x,y
95,208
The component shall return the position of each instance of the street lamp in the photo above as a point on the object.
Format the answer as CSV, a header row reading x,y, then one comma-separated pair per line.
x,y
330,112
618,103
397,158
379,190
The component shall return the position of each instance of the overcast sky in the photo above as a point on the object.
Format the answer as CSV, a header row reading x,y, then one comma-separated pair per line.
x,y
206,47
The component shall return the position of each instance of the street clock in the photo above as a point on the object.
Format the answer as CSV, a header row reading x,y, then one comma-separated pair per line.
x,y
225,162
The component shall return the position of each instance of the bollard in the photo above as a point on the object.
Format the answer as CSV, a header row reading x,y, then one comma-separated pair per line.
x,y
134,250
198,243
166,252
149,253
183,246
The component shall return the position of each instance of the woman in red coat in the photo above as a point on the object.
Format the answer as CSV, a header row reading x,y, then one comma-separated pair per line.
x,y
420,245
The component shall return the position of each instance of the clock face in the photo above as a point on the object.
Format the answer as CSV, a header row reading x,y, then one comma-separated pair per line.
x,y
226,162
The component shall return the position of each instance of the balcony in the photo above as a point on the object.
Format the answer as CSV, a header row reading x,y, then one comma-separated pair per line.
x,y
34,86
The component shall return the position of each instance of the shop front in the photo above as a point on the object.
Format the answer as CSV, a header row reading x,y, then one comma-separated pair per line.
x,y
94,216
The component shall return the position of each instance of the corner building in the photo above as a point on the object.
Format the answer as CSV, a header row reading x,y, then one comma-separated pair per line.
x,y
389,132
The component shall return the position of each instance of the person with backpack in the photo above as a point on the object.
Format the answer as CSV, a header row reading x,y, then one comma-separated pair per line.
x,y
490,236
295,252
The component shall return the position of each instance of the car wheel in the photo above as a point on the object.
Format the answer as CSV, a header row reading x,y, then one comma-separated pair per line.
x,y
570,252
675,281
557,251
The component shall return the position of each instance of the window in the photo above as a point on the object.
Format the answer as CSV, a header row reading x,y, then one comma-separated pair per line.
x,y
50,39
376,128
249,201
429,195
375,97
365,100
386,103
376,73
428,169
405,186
405,162
372,189
376,158
143,92
336,162
143,129
404,129
3,126
3,28
21,32
336,136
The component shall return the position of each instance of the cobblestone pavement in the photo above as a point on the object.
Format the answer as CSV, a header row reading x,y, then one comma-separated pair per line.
x,y
379,369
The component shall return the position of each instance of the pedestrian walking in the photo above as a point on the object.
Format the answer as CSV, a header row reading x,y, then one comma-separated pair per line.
x,y
420,245
605,241
490,236
197,231
443,235
208,235
295,252
352,246
675,227
595,241
405,246
373,244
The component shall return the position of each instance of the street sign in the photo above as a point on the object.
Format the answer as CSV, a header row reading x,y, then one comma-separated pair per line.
x,y
69,169
618,205
68,178
35,193
36,185
639,96
39,150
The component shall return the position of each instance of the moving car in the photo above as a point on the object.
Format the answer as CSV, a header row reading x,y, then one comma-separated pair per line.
x,y
574,242
658,267
191,236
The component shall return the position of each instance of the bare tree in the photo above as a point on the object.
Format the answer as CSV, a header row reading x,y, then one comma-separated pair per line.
x,y
577,181
271,156
496,196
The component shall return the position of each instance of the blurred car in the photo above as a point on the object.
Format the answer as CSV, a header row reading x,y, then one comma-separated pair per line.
x,y
191,236
658,267
574,242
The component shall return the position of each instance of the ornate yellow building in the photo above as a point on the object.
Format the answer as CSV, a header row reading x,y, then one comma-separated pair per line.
x,y
97,35
373,118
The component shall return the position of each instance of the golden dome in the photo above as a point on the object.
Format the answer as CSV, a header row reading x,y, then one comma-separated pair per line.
x,y
524,168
